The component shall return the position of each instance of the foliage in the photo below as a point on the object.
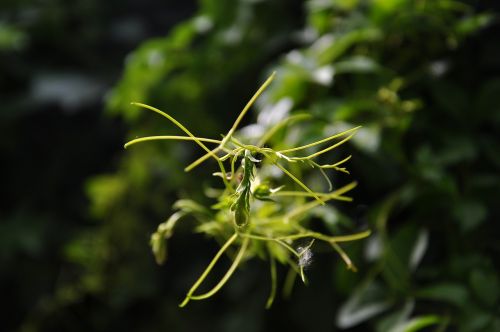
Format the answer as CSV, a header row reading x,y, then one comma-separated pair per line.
x,y
394,67
276,223
421,77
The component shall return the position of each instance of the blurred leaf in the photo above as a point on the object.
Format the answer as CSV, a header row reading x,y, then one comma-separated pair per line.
x,y
473,23
329,48
452,293
419,249
365,303
397,318
11,38
417,323
470,214
190,206
356,64
105,192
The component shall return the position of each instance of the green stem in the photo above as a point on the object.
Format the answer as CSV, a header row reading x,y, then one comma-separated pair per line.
x,y
272,295
235,124
289,282
344,256
265,238
326,238
300,183
179,138
306,194
228,274
201,159
247,107
324,150
333,195
178,124
210,153
320,141
208,269
274,129
335,166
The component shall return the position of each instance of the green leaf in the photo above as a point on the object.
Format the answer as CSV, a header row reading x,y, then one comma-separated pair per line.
x,y
418,323
419,249
364,304
356,64
105,192
190,206
330,48
473,23
451,293
469,214
159,247
11,38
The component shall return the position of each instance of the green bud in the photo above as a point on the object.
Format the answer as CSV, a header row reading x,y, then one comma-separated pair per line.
x,y
241,216
262,191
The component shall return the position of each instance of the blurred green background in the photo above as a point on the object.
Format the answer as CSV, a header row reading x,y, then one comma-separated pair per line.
x,y
421,77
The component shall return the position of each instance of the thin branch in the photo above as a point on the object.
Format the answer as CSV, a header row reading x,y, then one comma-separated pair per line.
x,y
320,141
324,150
326,238
181,126
265,238
178,124
289,282
333,195
231,131
178,138
274,282
228,274
306,194
274,129
202,159
300,183
345,257
208,269
247,107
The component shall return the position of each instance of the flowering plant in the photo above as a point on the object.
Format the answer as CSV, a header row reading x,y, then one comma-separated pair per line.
x,y
262,220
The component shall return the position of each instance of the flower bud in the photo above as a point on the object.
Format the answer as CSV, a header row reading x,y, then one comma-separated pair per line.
x,y
262,191
241,216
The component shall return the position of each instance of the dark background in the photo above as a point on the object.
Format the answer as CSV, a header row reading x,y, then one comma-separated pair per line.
x,y
76,210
